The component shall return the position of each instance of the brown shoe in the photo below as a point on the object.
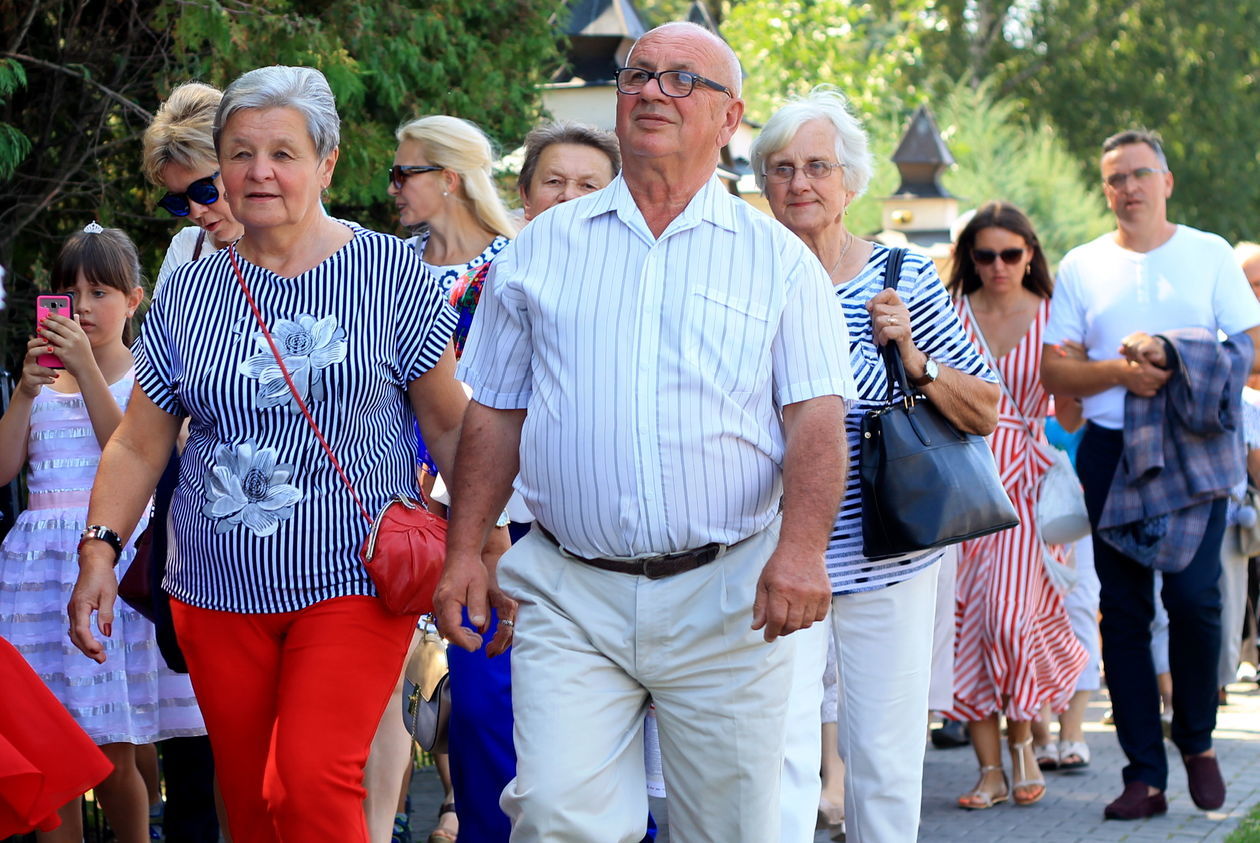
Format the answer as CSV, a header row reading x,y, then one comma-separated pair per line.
x,y
1203,775
1135,804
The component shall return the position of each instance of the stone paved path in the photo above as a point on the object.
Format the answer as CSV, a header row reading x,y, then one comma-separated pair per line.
x,y
1072,808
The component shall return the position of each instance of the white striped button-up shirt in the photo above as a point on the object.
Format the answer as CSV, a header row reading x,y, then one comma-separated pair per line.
x,y
654,369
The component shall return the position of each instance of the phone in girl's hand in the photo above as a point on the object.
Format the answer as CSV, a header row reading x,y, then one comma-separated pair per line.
x,y
45,305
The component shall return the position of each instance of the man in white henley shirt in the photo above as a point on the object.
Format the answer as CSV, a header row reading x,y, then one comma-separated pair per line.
x,y
1112,294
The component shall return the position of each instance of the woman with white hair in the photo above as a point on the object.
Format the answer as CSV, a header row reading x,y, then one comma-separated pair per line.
x,y
291,652
811,161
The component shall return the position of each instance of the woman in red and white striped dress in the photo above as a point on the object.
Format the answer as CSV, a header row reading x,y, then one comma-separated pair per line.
x,y
1015,650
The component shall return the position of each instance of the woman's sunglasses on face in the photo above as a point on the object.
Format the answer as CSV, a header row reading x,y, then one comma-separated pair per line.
x,y
399,172
202,191
1010,257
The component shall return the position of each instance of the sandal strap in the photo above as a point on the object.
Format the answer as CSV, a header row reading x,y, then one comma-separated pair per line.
x,y
446,808
1019,767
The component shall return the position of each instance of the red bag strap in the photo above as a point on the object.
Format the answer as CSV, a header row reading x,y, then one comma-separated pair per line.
x,y
293,387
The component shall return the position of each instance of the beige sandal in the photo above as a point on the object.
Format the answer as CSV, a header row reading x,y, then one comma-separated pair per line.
x,y
443,835
980,800
1019,769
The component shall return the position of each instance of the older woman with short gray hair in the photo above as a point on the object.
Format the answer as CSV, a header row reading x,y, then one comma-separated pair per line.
x,y
292,654
882,610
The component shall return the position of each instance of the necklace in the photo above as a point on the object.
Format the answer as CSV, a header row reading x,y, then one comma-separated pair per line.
x,y
843,252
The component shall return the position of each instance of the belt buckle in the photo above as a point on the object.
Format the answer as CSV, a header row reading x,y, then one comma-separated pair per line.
x,y
655,567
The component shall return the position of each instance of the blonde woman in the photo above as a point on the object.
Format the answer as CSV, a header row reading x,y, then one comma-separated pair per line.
x,y
441,183
179,156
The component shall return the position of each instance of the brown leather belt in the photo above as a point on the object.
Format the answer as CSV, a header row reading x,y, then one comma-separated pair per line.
x,y
652,567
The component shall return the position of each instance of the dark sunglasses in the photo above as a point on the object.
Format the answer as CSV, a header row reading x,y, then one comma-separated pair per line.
x,y
1010,257
399,172
202,191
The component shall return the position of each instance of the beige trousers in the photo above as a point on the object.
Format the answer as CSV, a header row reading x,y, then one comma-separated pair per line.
x,y
591,646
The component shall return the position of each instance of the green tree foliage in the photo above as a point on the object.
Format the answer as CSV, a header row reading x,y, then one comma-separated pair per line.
x,y
94,73
864,49
14,145
1188,70
1087,68
998,155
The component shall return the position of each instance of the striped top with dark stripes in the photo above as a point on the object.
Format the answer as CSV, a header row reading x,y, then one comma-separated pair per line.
x,y
261,520
938,333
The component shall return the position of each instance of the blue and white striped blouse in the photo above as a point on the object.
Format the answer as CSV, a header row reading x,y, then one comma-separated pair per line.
x,y
939,334
261,520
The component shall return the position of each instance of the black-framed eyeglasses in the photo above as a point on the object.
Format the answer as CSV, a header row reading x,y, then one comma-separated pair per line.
x,y
202,191
1117,181
1010,257
673,83
812,170
399,172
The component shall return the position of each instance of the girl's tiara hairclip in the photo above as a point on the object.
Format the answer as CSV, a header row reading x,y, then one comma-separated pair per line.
x,y
93,228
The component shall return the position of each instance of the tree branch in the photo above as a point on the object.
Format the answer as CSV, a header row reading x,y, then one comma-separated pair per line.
x,y
131,106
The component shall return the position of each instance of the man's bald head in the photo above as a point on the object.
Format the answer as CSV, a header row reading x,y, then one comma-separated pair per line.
x,y
725,69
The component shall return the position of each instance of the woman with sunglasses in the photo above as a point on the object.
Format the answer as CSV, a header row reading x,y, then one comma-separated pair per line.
x,y
1015,651
179,156
441,182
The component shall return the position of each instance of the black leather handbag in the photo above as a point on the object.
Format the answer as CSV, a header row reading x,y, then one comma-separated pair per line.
x,y
925,484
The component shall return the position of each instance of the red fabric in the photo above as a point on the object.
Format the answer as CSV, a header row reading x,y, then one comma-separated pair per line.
x,y
45,758
291,702
1014,650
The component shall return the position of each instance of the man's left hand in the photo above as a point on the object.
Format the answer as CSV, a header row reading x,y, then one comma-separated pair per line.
x,y
793,593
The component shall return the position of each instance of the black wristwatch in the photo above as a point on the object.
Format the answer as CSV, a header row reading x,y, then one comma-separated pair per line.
x,y
105,534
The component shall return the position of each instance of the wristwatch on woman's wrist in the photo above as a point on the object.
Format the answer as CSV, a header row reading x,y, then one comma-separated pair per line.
x,y
931,371
105,534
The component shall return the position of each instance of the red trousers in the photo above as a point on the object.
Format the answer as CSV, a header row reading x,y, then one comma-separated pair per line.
x,y
291,702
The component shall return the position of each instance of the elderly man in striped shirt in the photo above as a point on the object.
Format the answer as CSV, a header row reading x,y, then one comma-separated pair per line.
x,y
667,369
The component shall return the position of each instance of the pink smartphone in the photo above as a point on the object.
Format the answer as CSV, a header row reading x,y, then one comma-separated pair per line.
x,y
44,305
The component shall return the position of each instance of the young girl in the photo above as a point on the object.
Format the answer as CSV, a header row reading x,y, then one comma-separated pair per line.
x,y
57,422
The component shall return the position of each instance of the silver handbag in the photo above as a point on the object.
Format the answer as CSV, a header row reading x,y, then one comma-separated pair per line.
x,y
427,690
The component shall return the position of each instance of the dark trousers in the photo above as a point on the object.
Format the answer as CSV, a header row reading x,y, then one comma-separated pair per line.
x,y
188,767
1127,601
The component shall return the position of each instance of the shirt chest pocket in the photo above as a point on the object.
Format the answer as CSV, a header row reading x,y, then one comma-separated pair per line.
x,y
727,337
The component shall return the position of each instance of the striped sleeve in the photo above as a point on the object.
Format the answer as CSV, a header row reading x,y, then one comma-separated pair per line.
x,y
157,359
938,332
424,321
809,354
497,360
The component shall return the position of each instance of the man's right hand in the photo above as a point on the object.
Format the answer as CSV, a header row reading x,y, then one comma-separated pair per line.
x,y
1143,379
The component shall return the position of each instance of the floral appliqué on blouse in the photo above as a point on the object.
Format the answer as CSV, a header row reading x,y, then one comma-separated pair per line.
x,y
308,346
247,486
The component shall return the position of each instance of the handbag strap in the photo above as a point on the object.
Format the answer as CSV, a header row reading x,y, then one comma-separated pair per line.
x,y
992,361
284,370
893,365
